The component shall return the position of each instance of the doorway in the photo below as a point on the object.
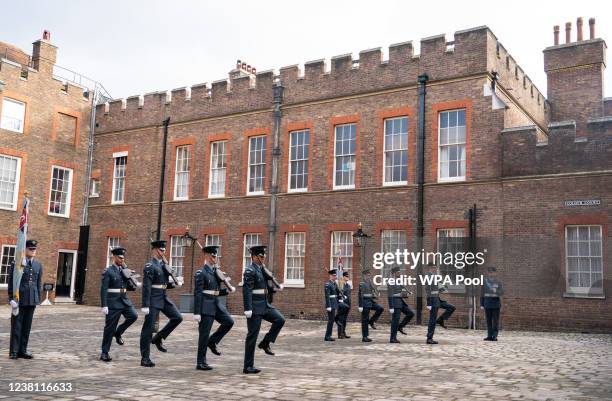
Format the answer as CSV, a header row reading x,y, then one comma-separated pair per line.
x,y
66,269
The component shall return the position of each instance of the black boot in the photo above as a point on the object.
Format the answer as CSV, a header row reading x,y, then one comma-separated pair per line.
x,y
157,341
105,357
146,362
265,345
250,370
213,348
431,341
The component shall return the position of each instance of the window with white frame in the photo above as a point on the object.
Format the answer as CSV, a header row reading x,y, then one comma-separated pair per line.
x,y
249,240
113,242
218,169
584,260
395,156
13,115
60,191
299,142
10,173
452,145
181,173
450,240
345,148
120,162
215,239
295,252
342,251
177,254
392,241
94,188
8,257
257,165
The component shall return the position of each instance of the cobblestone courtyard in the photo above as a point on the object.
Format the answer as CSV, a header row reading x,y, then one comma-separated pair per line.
x,y
66,340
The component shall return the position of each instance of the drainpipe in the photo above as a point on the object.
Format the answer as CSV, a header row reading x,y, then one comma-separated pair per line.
x,y
162,179
81,270
420,229
276,153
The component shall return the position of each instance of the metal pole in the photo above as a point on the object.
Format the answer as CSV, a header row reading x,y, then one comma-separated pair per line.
x,y
162,178
420,229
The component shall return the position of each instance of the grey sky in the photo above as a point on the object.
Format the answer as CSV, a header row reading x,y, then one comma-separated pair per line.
x,y
135,47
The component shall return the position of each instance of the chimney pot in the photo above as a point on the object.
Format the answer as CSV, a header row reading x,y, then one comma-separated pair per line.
x,y
46,35
592,28
568,32
556,34
579,29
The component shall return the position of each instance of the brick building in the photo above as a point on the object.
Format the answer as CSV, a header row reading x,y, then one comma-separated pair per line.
x,y
44,132
296,160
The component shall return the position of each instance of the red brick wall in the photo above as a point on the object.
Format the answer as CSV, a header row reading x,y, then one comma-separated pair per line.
x,y
39,146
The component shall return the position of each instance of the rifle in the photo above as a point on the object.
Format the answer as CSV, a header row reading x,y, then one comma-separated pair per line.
x,y
131,277
169,269
269,276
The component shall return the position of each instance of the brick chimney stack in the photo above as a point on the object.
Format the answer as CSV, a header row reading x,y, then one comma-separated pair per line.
x,y
579,29
44,54
574,72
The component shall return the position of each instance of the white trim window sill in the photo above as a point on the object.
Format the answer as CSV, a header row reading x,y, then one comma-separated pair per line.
x,y
583,296
285,285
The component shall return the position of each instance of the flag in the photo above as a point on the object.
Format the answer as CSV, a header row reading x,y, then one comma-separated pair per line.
x,y
20,261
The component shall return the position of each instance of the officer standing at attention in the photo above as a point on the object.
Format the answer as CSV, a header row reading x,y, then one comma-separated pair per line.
x,y
256,308
331,304
114,302
29,297
208,307
367,301
490,301
344,305
155,282
398,305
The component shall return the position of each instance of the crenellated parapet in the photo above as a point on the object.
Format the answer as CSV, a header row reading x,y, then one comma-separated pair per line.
x,y
466,56
526,152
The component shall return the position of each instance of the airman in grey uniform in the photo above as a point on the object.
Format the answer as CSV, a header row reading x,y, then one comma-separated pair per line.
x,y
490,301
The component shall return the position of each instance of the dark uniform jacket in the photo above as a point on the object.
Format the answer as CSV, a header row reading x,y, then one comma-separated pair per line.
x,y
253,282
396,294
331,294
112,278
433,293
207,304
366,294
491,291
30,286
346,291
155,274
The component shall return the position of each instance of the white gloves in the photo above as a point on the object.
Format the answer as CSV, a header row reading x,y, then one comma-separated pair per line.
x,y
328,309
360,309
145,311
248,313
139,285
482,307
15,311
105,310
391,311
282,286
428,307
180,284
232,289
14,304
197,318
